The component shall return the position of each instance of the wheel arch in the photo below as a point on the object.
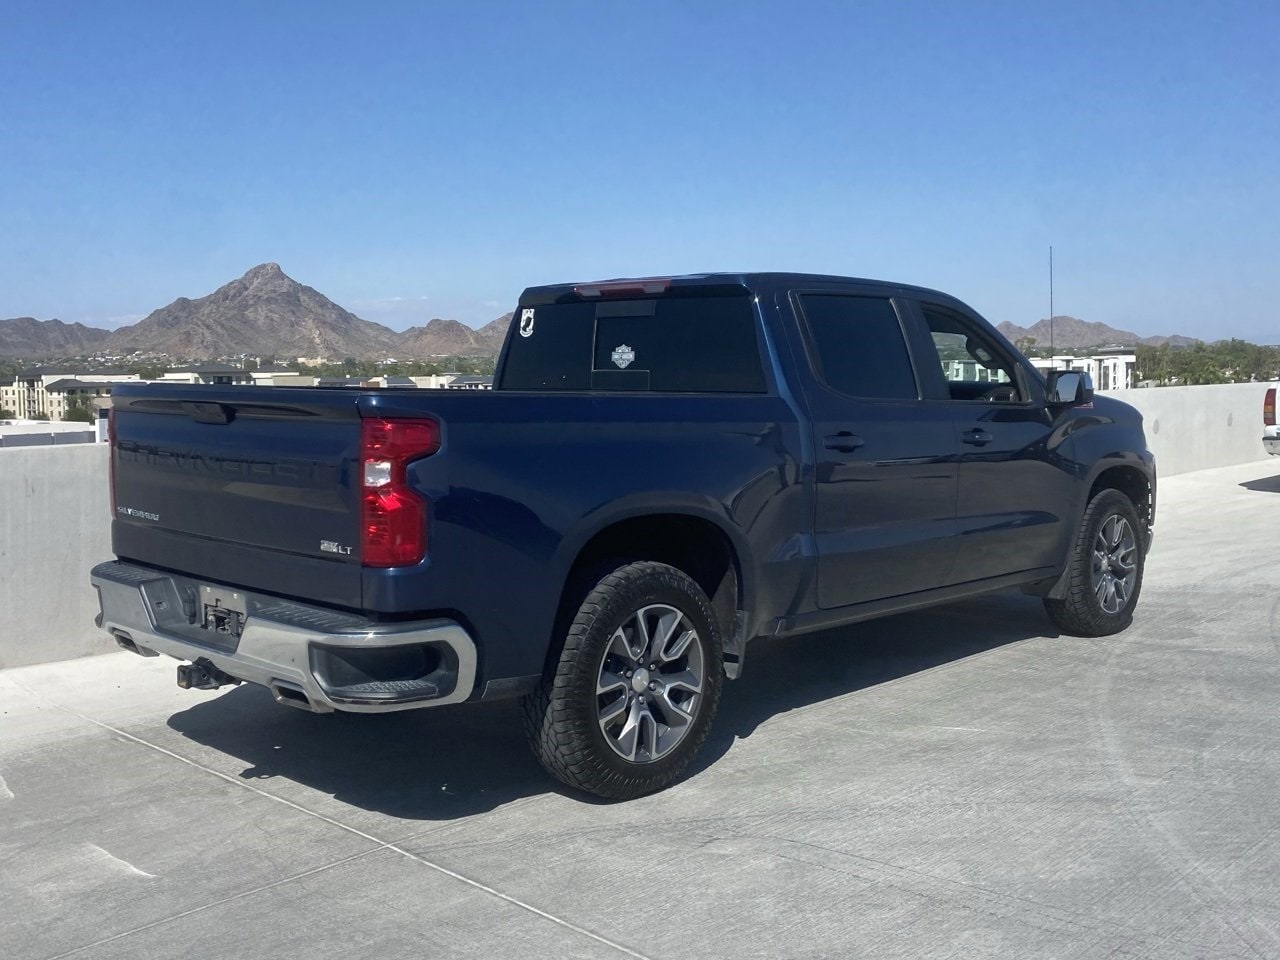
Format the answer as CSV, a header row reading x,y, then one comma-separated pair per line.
x,y
689,536
1136,480
1134,483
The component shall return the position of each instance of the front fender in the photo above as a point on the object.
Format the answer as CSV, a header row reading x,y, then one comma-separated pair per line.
x,y
1107,435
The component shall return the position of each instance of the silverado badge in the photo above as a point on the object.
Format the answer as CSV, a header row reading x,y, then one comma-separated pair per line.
x,y
623,355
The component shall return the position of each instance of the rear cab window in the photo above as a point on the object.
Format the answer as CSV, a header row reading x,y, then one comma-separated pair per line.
x,y
681,342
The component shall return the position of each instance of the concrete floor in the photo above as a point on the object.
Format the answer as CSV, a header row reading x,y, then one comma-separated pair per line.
x,y
958,783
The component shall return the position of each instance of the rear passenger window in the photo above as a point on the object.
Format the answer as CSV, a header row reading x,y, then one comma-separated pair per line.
x,y
857,346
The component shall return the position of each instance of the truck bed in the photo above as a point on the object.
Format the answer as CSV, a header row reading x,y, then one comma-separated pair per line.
x,y
244,490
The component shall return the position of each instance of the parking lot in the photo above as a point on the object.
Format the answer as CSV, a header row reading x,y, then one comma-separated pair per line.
x,y
954,783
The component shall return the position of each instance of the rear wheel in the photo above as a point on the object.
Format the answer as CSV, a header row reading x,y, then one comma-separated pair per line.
x,y
1105,571
632,697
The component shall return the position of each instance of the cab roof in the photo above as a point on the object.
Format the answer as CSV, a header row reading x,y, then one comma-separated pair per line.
x,y
705,283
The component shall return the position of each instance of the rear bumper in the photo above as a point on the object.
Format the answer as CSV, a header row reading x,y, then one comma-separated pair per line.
x,y
308,656
1271,444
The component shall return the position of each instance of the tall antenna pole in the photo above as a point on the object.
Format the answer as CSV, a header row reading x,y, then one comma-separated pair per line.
x,y
1051,300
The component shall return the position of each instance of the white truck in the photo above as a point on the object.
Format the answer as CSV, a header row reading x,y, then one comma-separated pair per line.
x,y
1270,432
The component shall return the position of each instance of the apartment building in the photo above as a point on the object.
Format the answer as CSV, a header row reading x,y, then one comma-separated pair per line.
x,y
1110,369
41,393
467,382
219,373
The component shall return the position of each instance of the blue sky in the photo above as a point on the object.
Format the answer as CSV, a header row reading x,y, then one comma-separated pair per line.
x,y
413,160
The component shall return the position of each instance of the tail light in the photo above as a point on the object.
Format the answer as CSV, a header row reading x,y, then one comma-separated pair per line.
x,y
111,455
645,286
1269,408
393,516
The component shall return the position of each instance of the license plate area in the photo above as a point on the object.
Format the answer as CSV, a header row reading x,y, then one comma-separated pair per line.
x,y
223,612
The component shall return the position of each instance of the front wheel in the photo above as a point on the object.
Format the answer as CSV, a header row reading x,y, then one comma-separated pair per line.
x,y
1104,575
632,697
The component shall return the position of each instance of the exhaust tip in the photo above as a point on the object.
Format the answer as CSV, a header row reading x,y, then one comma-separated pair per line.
x,y
291,695
126,642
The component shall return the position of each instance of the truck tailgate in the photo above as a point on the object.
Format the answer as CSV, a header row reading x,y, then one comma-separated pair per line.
x,y
244,489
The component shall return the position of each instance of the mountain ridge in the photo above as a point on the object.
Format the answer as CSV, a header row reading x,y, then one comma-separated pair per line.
x,y
265,312
27,336
454,338
1072,333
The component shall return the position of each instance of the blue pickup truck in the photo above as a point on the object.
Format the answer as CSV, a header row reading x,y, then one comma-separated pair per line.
x,y
666,469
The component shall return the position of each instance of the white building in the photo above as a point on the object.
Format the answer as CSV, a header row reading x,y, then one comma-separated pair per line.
x,y
469,382
453,381
1109,369
208,373
40,394
278,377
972,371
434,381
62,395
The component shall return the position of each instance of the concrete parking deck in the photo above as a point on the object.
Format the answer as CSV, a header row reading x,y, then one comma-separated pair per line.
x,y
956,783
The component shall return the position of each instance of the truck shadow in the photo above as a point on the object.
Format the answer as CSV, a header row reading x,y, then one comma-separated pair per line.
x,y
437,764
798,672
1264,484
457,761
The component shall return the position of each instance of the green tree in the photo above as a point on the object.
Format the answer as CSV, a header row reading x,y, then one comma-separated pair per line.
x,y
1246,361
79,409
1153,363
1199,364
149,371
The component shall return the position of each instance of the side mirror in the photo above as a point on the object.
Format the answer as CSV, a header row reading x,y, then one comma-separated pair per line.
x,y
1069,388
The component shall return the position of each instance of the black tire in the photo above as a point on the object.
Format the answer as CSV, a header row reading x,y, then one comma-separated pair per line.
x,y
566,717
1102,584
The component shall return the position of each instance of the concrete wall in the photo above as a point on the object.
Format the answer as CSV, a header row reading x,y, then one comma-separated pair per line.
x,y
1194,428
36,438
55,515
54,526
29,433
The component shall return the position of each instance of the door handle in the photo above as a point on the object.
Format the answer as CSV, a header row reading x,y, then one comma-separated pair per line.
x,y
844,441
976,436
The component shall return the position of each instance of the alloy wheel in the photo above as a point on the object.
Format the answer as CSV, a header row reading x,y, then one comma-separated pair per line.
x,y
1115,568
650,683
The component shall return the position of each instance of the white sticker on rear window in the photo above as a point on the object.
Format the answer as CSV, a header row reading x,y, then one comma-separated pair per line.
x,y
623,356
526,322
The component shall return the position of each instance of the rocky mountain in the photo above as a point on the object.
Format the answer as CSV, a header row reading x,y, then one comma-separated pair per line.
x,y
27,337
440,338
1071,333
494,332
450,338
264,312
